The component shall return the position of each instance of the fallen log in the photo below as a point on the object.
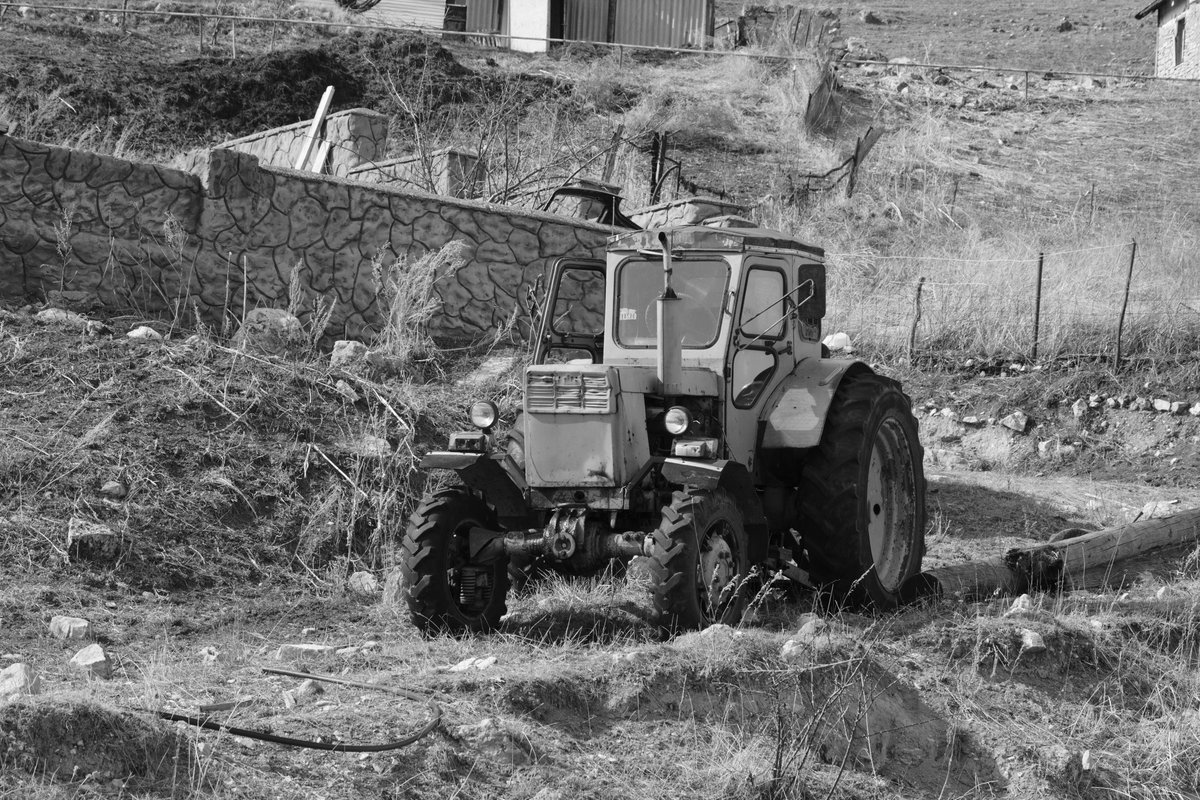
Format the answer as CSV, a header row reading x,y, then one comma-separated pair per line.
x,y
1077,561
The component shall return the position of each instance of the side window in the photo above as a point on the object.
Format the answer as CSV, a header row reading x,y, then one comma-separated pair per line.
x,y
764,308
579,303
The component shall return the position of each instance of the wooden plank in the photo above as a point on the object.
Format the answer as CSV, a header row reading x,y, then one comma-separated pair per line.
x,y
322,157
311,138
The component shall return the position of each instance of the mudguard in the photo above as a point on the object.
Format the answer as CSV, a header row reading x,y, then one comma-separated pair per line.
x,y
733,477
502,488
794,415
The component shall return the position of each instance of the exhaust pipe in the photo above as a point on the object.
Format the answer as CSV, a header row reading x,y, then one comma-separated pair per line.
x,y
670,354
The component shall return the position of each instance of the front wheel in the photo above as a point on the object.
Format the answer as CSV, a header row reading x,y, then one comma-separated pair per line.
x,y
862,492
697,556
447,590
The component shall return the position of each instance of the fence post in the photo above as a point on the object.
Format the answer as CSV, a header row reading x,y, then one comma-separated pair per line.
x,y
1026,86
1125,298
124,14
233,37
201,21
1037,306
912,332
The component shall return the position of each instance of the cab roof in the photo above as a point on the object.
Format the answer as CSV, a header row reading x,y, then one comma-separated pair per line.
x,y
738,239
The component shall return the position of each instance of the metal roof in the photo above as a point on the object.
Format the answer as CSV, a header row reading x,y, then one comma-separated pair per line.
x,y
1154,7
708,237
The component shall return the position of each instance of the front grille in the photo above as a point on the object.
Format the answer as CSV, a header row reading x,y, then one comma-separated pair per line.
x,y
568,393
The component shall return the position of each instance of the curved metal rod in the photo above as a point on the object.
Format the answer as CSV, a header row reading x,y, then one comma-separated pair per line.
x,y
208,724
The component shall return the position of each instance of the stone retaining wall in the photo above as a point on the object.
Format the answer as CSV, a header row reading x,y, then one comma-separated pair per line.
x,y
159,241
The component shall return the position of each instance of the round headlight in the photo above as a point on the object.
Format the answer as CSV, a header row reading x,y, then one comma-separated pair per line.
x,y
484,414
678,420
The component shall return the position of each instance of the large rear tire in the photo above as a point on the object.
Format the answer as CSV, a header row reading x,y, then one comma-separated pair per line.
x,y
697,553
447,591
862,493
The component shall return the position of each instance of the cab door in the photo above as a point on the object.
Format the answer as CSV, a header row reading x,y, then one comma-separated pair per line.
x,y
571,327
760,351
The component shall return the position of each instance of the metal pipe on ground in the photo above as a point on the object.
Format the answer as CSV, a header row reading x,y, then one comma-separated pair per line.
x,y
1082,560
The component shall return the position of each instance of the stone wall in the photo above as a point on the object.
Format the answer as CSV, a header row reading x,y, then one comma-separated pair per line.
x,y
1164,57
158,241
356,137
450,172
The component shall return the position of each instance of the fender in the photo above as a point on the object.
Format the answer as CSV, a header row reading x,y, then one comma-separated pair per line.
x,y
794,415
734,479
494,475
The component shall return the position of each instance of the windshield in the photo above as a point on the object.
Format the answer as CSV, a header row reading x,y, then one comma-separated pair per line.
x,y
700,286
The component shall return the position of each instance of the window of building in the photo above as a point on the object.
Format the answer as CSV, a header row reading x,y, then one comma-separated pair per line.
x,y
1179,39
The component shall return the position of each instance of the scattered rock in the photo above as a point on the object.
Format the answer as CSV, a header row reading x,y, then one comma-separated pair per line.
x,y
1080,408
472,663
60,316
272,331
70,628
1195,410
1112,402
94,661
494,739
1140,404
1177,408
363,583
17,680
718,630
1016,421
27,12
393,589
1032,642
295,652
346,390
145,333
972,421
868,17
837,341
1065,25
114,489
91,541
1162,404
346,354
387,365
1021,607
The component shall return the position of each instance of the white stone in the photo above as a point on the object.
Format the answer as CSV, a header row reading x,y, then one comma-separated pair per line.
x,y
346,354
272,331
113,489
18,679
472,663
294,652
837,341
1022,606
70,628
1032,642
1016,421
94,661
1162,404
972,421
60,316
1195,410
145,333
1079,408
308,689
717,630
363,583
1178,407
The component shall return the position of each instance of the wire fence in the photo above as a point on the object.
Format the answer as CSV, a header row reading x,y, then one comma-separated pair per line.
x,y
1106,302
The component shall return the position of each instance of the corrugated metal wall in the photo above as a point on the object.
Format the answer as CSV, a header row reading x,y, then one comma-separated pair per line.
x,y
422,13
663,23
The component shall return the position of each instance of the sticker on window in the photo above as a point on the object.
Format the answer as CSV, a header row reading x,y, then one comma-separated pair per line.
x,y
629,315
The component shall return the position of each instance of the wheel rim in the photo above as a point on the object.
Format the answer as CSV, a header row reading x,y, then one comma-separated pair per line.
x,y
717,568
890,504
470,585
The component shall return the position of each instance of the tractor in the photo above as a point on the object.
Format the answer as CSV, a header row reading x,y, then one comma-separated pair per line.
x,y
680,407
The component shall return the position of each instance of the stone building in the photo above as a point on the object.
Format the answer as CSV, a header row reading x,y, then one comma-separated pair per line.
x,y
1177,48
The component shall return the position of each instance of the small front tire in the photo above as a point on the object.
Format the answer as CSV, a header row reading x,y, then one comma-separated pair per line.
x,y
446,590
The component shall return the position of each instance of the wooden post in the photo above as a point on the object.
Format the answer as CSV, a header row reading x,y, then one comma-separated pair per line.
x,y
315,129
1037,305
610,162
233,36
1125,299
611,25
1088,560
201,19
655,152
124,14
912,332
1026,86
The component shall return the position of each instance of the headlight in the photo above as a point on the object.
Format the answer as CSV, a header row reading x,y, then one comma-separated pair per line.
x,y
678,420
483,414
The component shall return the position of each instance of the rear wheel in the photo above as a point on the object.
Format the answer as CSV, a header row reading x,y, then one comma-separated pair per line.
x,y
447,590
862,493
696,556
